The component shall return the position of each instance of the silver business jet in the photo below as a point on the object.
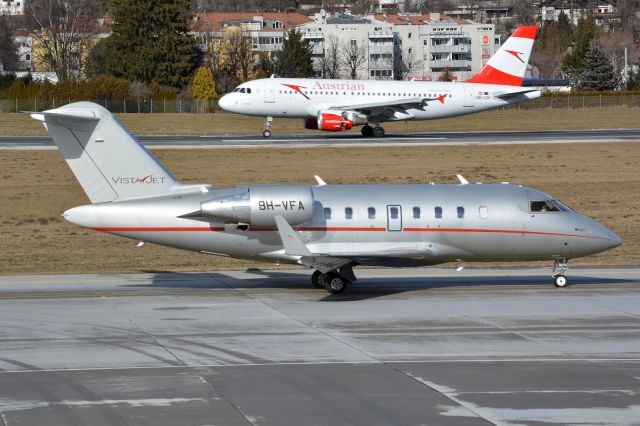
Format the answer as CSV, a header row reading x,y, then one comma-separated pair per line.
x,y
330,228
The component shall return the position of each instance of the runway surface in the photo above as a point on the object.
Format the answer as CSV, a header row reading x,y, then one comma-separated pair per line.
x,y
350,139
410,347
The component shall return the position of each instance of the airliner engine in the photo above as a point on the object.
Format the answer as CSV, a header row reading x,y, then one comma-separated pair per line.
x,y
334,120
258,205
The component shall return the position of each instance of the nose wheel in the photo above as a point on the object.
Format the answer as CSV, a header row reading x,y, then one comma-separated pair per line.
x,y
558,275
268,121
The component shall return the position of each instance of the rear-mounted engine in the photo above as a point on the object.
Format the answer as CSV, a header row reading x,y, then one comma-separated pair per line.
x,y
258,205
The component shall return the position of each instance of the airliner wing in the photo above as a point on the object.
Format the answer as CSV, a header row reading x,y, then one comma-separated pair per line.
x,y
391,106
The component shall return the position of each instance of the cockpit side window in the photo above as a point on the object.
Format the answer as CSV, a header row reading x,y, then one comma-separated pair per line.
x,y
248,89
543,206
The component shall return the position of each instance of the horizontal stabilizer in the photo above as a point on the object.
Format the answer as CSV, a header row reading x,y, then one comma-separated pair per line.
x,y
513,95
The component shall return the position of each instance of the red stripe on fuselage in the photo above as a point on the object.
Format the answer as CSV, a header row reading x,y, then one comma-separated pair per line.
x,y
347,229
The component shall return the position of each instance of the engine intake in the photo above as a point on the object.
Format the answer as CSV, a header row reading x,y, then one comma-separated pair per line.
x,y
258,205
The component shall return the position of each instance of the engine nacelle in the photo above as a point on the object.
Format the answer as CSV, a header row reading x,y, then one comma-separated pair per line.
x,y
337,121
258,205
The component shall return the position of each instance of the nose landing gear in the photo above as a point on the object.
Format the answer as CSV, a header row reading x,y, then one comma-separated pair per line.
x,y
559,269
268,121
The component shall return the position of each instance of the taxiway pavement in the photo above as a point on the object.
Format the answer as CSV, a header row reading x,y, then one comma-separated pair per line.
x,y
351,139
415,346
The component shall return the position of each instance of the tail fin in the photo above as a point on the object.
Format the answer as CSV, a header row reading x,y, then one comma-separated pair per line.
x,y
509,63
107,160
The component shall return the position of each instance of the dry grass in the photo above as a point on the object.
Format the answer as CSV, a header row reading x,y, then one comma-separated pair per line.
x,y
600,180
208,124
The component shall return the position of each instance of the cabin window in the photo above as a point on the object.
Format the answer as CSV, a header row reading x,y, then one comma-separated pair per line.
x,y
348,213
460,212
393,212
327,213
438,211
371,213
484,212
542,206
416,212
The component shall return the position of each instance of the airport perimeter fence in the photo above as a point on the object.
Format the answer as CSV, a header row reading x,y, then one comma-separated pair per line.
x,y
145,106
142,106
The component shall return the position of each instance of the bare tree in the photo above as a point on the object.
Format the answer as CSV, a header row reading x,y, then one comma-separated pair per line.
x,y
330,61
353,57
64,30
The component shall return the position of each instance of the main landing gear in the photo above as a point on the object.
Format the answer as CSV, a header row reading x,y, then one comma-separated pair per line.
x,y
331,281
368,131
268,121
559,269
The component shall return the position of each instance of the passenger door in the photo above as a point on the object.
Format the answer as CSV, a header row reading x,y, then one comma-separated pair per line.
x,y
269,93
394,218
469,93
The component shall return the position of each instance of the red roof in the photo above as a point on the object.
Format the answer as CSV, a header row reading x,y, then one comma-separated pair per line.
x,y
215,21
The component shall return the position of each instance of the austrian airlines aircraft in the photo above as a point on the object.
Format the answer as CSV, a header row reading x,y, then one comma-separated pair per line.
x,y
338,105
329,228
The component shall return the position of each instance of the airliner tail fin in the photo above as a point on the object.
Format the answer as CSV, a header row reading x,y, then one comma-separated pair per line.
x,y
509,64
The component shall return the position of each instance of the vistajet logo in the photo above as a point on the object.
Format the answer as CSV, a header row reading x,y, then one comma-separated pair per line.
x,y
147,180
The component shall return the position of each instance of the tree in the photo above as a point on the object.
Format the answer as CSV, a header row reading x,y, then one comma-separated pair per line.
x,y
150,42
405,62
554,40
598,72
8,49
294,59
329,64
633,77
587,32
202,86
523,11
232,57
65,28
353,57
447,75
96,63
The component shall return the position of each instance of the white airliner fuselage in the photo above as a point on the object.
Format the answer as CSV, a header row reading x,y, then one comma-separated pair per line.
x,y
339,105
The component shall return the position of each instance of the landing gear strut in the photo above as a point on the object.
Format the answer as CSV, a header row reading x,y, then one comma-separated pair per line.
x,y
559,269
268,121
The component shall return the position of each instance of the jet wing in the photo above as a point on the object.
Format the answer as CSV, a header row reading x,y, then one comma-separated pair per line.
x,y
389,107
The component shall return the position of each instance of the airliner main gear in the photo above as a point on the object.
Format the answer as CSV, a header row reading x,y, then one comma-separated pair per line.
x,y
378,132
367,131
334,283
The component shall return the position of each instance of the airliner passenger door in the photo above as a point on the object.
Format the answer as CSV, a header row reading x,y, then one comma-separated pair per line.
x,y
269,93
394,218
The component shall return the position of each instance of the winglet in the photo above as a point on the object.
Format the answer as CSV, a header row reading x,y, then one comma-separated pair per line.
x,y
293,245
463,181
320,181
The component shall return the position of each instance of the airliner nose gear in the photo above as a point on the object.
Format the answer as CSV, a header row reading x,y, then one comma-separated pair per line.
x,y
559,269
268,121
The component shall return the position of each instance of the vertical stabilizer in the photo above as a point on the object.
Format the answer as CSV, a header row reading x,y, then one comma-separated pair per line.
x,y
509,64
107,160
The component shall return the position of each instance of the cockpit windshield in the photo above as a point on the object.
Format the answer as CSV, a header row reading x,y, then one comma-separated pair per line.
x,y
546,206
241,90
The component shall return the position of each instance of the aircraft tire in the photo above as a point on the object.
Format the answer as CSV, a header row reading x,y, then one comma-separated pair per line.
x,y
378,132
367,131
335,284
559,281
318,279
266,133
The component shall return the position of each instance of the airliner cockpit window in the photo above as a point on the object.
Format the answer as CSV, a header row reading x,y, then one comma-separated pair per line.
x,y
543,206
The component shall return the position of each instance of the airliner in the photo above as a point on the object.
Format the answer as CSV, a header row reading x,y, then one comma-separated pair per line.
x,y
328,228
339,105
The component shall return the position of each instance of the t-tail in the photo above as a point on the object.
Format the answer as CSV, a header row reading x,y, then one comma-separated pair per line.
x,y
509,64
108,161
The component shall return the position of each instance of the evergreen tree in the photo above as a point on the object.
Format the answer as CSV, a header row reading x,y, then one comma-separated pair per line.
x,y
294,60
574,63
633,77
598,71
202,86
150,42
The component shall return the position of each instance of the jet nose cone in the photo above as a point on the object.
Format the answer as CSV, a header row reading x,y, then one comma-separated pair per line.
x,y
225,102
